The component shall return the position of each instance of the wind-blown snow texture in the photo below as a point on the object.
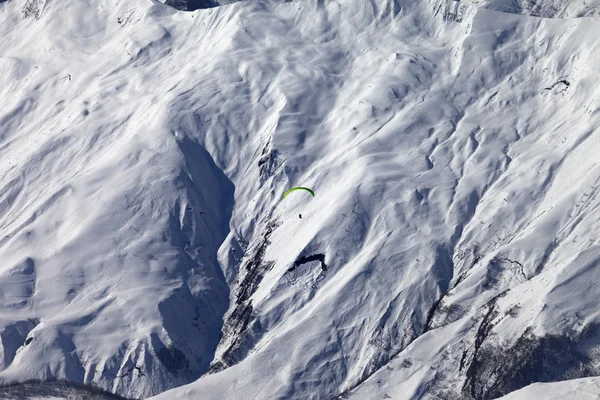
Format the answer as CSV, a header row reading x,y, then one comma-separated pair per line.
x,y
451,250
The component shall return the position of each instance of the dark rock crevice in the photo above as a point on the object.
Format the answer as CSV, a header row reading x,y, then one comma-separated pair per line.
x,y
303,260
559,87
268,162
483,331
432,313
237,325
514,262
131,371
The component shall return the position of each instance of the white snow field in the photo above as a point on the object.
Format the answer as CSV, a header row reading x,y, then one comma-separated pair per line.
x,y
452,250
576,389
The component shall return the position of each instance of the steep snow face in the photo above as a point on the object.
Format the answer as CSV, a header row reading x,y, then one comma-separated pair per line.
x,y
144,241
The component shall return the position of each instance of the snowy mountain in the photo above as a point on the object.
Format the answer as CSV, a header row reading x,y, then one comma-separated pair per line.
x,y
576,389
544,8
451,249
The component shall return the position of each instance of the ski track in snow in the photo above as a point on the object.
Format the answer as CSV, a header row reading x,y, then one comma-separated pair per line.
x,y
144,153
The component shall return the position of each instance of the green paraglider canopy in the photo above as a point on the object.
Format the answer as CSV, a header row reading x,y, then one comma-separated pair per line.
x,y
298,188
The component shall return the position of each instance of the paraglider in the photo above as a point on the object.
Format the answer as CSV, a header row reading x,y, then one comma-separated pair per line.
x,y
298,188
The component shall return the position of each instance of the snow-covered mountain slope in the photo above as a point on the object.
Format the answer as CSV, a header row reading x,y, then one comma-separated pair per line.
x,y
538,8
450,250
576,389
110,223
543,8
467,176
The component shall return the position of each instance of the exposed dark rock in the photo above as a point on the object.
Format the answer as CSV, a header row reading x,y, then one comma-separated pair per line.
x,y
482,332
431,314
54,388
495,371
238,323
33,8
191,5
267,162
445,314
132,371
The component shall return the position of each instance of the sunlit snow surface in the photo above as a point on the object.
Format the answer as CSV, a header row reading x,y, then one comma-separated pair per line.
x,y
576,389
144,153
